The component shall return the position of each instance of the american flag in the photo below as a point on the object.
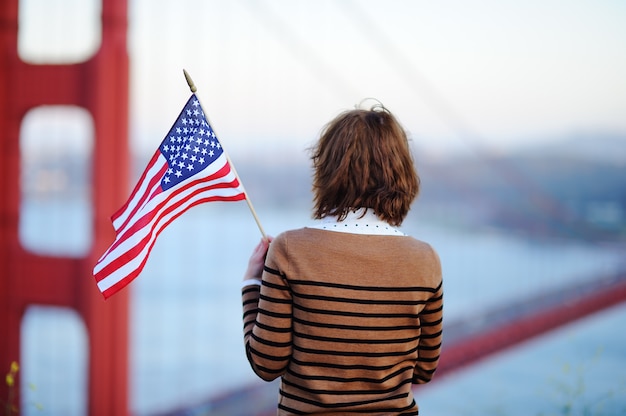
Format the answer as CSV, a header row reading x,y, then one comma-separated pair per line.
x,y
189,168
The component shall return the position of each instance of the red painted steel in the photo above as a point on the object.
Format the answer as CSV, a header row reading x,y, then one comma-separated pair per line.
x,y
492,336
99,85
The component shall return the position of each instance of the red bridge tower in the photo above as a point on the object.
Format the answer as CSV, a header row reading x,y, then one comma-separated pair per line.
x,y
100,86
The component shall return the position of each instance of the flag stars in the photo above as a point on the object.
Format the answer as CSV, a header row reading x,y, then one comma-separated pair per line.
x,y
191,145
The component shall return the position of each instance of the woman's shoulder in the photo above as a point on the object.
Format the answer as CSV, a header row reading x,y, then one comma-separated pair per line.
x,y
292,233
416,242
423,246
290,236
295,235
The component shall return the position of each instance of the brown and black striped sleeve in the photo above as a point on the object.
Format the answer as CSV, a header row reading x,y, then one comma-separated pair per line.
x,y
429,348
267,324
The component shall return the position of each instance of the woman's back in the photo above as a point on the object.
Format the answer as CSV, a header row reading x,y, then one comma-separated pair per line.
x,y
349,321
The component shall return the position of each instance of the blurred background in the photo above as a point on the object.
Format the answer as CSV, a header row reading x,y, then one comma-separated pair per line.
x,y
516,113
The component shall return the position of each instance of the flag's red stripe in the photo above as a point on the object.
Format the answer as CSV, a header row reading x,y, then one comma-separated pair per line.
x,y
131,276
155,230
142,179
136,249
151,182
141,222
149,216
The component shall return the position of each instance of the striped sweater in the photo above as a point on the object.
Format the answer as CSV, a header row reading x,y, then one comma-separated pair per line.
x,y
349,322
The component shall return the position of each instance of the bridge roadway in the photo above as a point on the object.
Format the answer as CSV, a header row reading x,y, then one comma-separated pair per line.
x,y
466,340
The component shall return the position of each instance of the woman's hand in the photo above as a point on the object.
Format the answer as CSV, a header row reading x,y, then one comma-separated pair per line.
x,y
257,259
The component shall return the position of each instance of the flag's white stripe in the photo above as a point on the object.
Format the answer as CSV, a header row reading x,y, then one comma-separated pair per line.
x,y
159,223
152,203
156,163
130,266
142,191
123,267
128,242
137,212
124,271
152,206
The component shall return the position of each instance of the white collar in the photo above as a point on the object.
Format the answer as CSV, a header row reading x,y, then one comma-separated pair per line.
x,y
367,224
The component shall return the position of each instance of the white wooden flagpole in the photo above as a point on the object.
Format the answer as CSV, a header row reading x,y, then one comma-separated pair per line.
x,y
193,89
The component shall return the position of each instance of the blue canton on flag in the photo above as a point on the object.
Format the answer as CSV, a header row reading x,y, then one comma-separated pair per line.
x,y
191,145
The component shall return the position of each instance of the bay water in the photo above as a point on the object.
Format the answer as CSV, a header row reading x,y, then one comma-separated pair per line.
x,y
185,322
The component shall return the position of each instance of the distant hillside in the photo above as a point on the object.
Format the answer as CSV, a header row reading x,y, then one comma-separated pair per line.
x,y
601,147
577,189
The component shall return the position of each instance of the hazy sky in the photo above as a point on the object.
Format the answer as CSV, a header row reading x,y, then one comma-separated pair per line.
x,y
490,74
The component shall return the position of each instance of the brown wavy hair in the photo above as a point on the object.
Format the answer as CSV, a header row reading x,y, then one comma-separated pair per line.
x,y
363,160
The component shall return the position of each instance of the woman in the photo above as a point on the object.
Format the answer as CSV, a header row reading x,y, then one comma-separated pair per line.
x,y
348,312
